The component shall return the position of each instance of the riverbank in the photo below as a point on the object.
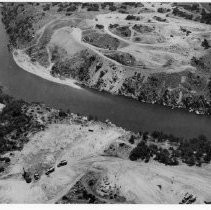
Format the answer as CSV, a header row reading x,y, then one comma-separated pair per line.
x,y
190,91
23,61
97,153
124,112
64,152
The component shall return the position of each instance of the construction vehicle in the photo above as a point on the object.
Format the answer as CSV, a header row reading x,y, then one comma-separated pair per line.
x,y
26,176
188,199
50,170
62,163
36,176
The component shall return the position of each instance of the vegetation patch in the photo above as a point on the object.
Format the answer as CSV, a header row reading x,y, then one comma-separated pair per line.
x,y
202,63
15,124
92,188
38,54
160,19
166,89
195,151
100,40
180,13
163,10
143,28
122,57
76,67
123,31
132,17
18,23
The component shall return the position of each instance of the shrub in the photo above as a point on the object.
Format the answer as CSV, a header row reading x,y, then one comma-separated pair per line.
x,y
132,17
71,8
99,26
46,7
139,152
205,44
131,139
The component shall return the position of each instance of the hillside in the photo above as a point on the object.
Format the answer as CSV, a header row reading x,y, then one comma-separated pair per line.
x,y
49,156
152,52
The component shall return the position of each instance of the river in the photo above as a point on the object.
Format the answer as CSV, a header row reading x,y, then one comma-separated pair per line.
x,y
124,112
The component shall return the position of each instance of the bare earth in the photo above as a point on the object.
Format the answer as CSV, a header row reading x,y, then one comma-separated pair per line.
x,y
85,151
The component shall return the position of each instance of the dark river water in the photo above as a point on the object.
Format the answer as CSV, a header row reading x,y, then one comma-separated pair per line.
x,y
124,112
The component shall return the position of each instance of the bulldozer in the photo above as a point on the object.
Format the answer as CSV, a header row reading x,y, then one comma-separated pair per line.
x,y
26,176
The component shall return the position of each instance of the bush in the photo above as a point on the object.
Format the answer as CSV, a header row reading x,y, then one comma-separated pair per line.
x,y
132,17
205,17
131,139
93,7
14,123
180,13
139,152
205,44
112,8
194,151
46,7
71,8
99,26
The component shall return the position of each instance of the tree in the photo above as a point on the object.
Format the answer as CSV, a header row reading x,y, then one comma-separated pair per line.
x,y
140,152
131,139
71,8
205,44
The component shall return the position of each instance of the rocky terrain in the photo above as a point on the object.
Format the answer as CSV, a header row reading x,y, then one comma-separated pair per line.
x,y
49,156
152,52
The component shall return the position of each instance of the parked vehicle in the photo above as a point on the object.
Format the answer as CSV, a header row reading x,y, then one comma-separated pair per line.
x,y
50,170
36,176
26,176
62,163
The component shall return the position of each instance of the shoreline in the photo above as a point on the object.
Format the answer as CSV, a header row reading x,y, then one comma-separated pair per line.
x,y
23,61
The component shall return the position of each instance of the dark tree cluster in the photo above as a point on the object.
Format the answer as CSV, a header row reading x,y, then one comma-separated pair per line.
x,y
99,26
91,6
71,8
191,7
205,17
162,137
178,12
146,152
159,19
124,31
112,8
123,58
66,6
194,151
14,124
100,40
133,4
155,90
46,7
109,5
77,67
132,17
163,10
205,44
19,27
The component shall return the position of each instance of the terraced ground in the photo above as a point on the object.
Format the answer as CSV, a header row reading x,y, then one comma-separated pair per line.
x,y
98,169
150,40
153,52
